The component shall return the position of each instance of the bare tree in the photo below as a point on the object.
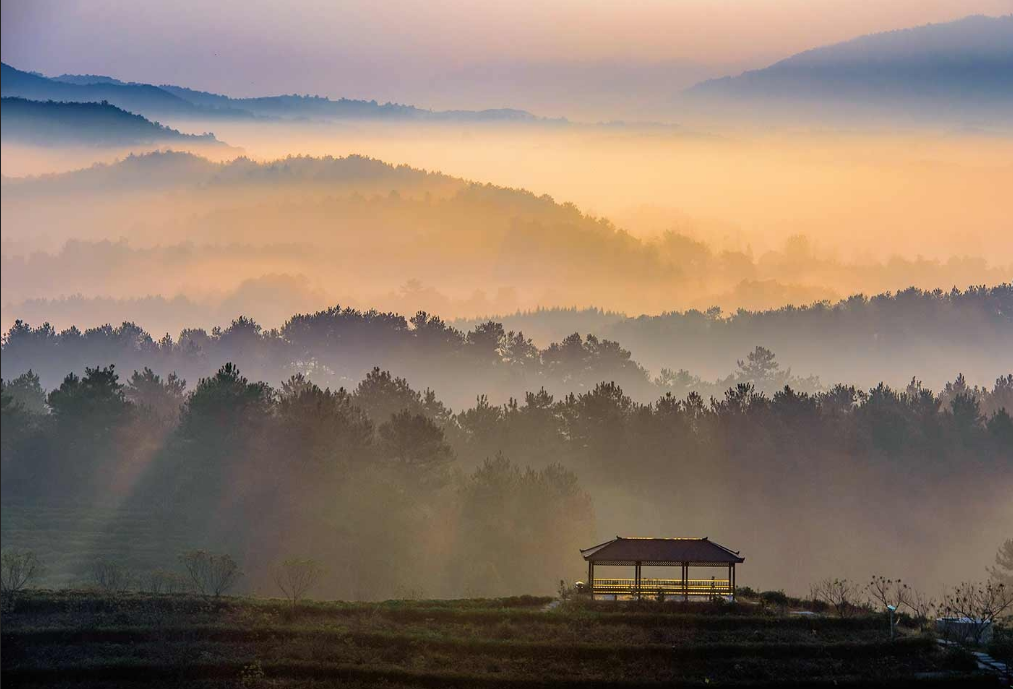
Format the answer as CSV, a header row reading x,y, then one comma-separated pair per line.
x,y
921,607
295,576
210,574
889,594
111,576
18,570
980,605
840,594
160,581
885,592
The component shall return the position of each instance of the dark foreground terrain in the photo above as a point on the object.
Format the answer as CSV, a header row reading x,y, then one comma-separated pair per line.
x,y
87,639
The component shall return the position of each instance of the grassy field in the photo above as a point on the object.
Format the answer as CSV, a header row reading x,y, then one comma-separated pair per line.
x,y
86,639
70,536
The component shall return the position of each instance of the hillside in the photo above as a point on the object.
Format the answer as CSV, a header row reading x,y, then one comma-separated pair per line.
x,y
209,241
144,99
962,66
318,107
178,101
100,124
168,640
169,169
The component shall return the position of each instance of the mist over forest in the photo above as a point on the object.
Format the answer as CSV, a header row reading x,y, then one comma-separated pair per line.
x,y
383,472
421,345
449,246
671,354
481,437
889,338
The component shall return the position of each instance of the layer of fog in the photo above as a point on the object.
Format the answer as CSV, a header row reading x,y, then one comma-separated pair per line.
x,y
174,243
175,255
914,193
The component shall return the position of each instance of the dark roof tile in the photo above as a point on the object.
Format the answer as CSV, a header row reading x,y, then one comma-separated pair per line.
x,y
692,550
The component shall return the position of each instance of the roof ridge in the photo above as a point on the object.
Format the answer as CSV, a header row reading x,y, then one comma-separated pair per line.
x,y
662,549
660,538
595,547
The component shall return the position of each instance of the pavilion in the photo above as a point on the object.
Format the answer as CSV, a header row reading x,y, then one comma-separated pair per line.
x,y
664,552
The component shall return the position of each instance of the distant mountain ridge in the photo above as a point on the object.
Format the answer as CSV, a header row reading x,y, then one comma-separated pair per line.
x,y
181,102
141,99
960,66
56,123
168,169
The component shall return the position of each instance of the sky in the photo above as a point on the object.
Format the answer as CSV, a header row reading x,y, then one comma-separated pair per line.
x,y
443,53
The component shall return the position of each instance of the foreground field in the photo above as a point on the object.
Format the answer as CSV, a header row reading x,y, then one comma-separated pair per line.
x,y
83,639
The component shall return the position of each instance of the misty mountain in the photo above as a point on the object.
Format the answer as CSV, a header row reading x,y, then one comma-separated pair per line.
x,y
169,169
144,99
965,66
447,245
319,107
84,79
182,102
94,124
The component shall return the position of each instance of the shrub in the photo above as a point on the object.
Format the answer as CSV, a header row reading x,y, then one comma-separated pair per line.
x,y
111,576
295,576
19,569
839,594
775,598
1001,648
161,581
959,659
210,574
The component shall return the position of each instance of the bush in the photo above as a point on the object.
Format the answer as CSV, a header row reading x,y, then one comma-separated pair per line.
x,y
295,576
210,574
775,598
161,581
839,594
1001,648
111,576
19,569
959,659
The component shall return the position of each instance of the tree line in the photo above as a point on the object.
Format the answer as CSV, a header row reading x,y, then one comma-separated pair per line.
x,y
392,490
337,346
863,339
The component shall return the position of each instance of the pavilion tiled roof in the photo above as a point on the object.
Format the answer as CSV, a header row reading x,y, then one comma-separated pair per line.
x,y
627,550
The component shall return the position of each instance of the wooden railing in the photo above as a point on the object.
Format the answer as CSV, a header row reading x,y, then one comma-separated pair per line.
x,y
677,587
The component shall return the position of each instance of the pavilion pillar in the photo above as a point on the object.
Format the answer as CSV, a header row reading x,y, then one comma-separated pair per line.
x,y
636,583
685,581
590,577
733,581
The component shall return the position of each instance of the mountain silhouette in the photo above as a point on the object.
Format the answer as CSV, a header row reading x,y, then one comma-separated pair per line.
x,y
181,102
965,66
142,99
102,124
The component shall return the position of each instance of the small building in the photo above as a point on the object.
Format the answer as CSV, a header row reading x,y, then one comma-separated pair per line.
x,y
965,630
662,552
